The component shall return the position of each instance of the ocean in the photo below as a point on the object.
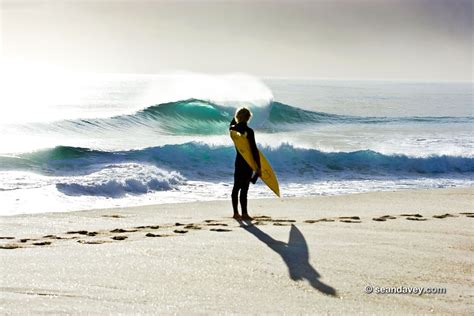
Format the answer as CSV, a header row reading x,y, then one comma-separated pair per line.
x,y
99,141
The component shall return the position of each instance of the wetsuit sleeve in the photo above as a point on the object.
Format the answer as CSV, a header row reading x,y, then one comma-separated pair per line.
x,y
253,147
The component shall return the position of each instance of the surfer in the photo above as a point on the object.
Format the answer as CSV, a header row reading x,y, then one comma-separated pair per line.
x,y
243,172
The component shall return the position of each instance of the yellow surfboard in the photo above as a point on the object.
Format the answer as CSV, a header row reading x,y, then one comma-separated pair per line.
x,y
268,176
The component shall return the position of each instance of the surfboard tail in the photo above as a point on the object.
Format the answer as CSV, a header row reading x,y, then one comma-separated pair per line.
x,y
277,192
273,186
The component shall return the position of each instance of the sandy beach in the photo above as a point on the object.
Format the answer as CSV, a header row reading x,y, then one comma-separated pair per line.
x,y
131,131
299,256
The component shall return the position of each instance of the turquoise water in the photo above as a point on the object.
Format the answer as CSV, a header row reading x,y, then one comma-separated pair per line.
x,y
108,144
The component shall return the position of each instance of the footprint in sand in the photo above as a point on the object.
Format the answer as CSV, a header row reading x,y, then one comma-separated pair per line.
x,y
113,216
383,218
468,214
443,216
349,219
412,215
24,240
148,226
178,231
416,219
281,224
7,237
121,230
42,243
10,246
155,235
192,226
220,230
216,224
312,221
52,237
80,232
262,218
119,237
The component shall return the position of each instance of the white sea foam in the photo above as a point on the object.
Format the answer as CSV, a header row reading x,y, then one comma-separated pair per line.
x,y
120,180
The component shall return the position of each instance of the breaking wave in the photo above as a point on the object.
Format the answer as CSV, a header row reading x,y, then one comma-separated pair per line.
x,y
201,161
199,117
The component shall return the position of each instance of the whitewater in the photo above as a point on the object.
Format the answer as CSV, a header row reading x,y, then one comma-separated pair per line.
x,y
90,141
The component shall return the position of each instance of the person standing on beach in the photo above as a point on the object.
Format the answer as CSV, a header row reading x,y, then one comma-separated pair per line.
x,y
243,172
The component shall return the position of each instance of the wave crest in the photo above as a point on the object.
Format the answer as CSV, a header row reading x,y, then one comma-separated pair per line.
x,y
200,117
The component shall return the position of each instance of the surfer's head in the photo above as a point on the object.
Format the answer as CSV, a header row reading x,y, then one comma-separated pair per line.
x,y
243,115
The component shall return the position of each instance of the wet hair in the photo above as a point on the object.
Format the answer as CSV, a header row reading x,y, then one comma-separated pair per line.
x,y
242,115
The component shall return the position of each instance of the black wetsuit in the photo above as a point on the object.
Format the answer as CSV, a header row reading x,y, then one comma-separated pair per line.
x,y
243,172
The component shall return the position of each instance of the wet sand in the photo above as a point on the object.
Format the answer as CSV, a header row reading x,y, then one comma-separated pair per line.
x,y
306,256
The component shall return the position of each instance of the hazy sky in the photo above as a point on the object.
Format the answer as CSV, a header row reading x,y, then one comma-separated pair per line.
x,y
366,39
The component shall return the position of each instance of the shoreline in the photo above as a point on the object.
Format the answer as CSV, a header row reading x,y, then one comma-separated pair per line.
x,y
299,255
307,197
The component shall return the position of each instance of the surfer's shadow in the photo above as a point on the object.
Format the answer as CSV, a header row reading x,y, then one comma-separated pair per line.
x,y
295,255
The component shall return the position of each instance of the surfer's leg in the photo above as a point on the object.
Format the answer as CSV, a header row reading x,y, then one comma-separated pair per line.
x,y
243,197
235,199
242,176
235,193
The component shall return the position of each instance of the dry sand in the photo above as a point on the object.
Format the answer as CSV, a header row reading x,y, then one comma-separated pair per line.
x,y
142,260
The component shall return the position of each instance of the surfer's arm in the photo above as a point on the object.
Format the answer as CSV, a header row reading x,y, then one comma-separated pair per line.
x,y
232,124
253,147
